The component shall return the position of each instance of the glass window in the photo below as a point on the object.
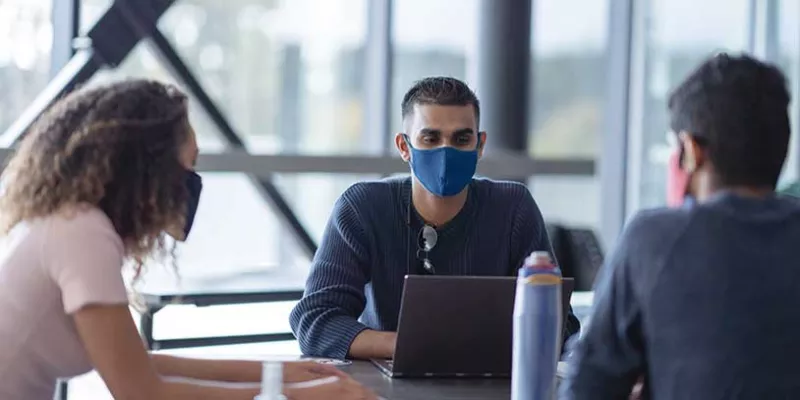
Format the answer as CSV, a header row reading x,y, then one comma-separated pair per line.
x,y
255,60
26,36
426,43
568,77
91,10
570,200
670,42
236,231
287,73
789,61
143,62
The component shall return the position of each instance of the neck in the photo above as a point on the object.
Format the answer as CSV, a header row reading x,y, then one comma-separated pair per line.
x,y
435,210
708,188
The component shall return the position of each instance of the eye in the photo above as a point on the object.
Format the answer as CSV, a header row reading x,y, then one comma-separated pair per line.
x,y
428,139
463,140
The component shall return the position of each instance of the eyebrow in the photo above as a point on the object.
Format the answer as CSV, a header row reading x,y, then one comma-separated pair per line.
x,y
429,131
462,131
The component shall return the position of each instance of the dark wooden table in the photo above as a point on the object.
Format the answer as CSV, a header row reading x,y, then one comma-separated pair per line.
x,y
421,389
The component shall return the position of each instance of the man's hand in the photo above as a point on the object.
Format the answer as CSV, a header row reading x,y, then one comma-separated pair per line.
x,y
344,389
373,344
300,371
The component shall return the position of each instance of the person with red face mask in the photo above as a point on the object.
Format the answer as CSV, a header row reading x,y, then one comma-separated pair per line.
x,y
677,180
700,298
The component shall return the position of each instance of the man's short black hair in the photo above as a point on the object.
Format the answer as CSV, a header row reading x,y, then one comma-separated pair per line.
x,y
737,107
440,90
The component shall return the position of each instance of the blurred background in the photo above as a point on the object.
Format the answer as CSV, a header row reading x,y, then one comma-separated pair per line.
x,y
313,85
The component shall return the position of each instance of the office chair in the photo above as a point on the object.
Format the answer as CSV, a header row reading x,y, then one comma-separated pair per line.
x,y
578,252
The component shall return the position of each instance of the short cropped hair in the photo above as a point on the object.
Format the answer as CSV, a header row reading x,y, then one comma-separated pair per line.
x,y
737,108
439,90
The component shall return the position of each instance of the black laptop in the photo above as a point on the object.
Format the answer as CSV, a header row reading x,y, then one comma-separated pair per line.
x,y
456,326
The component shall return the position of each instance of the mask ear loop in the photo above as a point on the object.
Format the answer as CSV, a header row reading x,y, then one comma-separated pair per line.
x,y
408,143
673,142
408,212
408,231
687,162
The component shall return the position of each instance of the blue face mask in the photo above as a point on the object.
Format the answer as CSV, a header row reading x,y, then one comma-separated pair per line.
x,y
443,171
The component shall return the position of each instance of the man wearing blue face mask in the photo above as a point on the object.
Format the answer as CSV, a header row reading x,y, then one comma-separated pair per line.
x,y
438,221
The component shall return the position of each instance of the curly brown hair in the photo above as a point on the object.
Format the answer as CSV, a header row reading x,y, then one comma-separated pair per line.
x,y
115,147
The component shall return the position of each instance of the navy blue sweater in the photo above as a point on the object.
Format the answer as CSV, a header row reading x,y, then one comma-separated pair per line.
x,y
702,302
370,244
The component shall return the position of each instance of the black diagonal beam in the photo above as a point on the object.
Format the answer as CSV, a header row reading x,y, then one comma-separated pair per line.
x,y
112,38
144,21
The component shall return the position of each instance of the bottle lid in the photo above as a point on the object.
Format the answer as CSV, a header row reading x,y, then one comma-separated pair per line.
x,y
271,381
540,259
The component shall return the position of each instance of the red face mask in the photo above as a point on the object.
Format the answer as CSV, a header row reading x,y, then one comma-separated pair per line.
x,y
677,180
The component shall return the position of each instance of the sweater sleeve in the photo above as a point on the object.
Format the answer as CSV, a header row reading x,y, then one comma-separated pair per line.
x,y
529,234
325,321
610,356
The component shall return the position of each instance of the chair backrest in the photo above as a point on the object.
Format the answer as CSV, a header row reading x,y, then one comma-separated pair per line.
x,y
578,252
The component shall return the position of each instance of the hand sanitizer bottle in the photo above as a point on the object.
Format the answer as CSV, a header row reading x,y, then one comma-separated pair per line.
x,y
271,381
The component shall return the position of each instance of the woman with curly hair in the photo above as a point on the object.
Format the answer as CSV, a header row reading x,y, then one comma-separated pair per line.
x,y
97,182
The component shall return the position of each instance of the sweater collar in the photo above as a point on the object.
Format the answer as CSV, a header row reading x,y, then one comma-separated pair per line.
x,y
456,226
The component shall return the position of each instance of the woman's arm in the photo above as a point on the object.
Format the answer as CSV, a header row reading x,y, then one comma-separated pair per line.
x,y
116,351
210,370
237,370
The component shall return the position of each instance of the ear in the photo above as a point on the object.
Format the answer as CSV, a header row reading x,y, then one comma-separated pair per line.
x,y
481,143
402,147
693,155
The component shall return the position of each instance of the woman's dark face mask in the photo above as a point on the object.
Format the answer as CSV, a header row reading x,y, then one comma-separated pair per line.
x,y
194,186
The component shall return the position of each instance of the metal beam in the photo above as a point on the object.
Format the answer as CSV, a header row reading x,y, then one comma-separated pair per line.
x,y
613,157
378,77
507,167
763,39
496,166
66,23
78,70
108,42
113,37
772,40
169,344
794,150
752,23
504,60
144,22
